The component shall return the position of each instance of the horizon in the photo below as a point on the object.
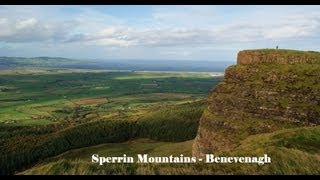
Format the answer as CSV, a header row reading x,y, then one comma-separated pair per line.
x,y
120,59
140,59
155,33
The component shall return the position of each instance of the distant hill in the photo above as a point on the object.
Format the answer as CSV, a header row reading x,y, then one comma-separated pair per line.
x,y
123,64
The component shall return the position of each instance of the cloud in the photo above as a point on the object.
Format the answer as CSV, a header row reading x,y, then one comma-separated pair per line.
x,y
110,36
26,23
32,30
294,26
50,24
92,27
168,31
190,16
257,26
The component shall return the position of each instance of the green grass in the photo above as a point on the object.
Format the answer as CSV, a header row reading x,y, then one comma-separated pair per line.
x,y
299,155
295,86
155,75
130,148
284,51
82,156
25,91
41,142
304,139
35,122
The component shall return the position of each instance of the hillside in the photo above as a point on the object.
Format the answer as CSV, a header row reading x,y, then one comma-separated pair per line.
x,y
294,151
268,90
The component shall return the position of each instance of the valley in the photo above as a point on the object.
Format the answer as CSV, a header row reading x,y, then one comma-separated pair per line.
x,y
47,96
50,111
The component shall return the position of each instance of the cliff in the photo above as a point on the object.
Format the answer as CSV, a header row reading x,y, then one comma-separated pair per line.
x,y
278,56
268,90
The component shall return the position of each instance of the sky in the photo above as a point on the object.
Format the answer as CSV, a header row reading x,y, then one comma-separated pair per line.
x,y
211,33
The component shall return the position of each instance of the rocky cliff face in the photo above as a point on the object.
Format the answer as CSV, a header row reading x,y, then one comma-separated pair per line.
x,y
267,90
278,56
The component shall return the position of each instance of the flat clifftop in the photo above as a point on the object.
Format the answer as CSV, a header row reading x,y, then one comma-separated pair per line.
x,y
278,56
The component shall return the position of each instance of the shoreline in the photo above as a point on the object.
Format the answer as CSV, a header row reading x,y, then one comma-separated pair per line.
x,y
214,74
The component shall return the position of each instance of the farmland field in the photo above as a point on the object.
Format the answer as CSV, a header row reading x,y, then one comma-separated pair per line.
x,y
44,96
46,112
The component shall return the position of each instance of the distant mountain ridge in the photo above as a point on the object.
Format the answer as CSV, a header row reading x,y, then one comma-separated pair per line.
x,y
123,64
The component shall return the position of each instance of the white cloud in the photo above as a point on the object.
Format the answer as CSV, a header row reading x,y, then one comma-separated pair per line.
x,y
26,23
190,16
181,31
113,42
3,20
254,27
32,30
294,26
5,30
177,53
93,27
50,24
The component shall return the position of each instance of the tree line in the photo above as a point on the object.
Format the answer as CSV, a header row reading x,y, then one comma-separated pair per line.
x,y
23,146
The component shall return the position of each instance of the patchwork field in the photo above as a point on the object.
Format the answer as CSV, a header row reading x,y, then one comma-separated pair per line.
x,y
86,101
51,111
45,96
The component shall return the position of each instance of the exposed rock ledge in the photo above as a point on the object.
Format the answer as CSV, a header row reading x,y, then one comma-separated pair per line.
x,y
268,90
279,56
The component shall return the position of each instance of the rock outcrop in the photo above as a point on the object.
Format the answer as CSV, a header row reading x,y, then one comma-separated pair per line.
x,y
267,90
278,56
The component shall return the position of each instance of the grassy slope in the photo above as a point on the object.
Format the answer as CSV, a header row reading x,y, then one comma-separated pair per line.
x,y
130,148
78,160
36,143
293,151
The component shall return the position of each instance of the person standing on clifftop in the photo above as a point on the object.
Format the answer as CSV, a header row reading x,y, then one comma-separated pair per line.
x,y
277,47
